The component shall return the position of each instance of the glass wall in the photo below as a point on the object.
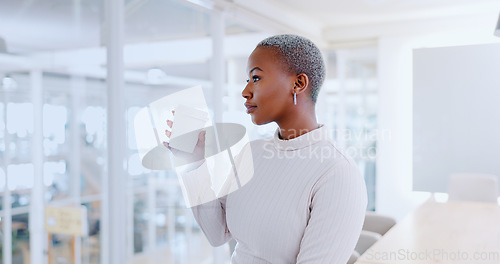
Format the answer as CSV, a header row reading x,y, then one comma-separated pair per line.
x,y
16,170
61,162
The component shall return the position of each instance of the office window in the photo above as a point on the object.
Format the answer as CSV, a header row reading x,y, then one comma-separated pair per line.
x,y
351,91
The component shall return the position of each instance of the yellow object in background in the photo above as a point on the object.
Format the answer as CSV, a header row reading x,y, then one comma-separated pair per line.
x,y
66,220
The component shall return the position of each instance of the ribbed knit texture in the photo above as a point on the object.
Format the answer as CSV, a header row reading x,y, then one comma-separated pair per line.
x,y
304,204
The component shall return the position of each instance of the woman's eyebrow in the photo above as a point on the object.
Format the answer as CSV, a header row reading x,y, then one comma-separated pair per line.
x,y
253,69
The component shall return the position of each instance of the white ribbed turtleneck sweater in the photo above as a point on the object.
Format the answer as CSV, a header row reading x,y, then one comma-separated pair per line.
x,y
305,203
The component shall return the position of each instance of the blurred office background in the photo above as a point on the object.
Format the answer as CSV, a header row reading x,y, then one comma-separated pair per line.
x,y
63,110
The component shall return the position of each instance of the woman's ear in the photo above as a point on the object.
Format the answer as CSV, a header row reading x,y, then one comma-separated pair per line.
x,y
301,83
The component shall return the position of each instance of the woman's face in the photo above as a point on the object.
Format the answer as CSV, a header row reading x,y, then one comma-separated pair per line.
x,y
269,90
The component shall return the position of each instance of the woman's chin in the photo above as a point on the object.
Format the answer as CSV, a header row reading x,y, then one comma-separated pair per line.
x,y
258,121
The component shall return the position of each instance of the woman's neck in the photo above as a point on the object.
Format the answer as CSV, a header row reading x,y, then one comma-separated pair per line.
x,y
297,125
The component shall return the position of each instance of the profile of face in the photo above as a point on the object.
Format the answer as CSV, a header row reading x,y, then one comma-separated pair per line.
x,y
269,90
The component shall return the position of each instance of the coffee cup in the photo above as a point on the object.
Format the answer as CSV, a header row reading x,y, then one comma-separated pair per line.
x,y
186,119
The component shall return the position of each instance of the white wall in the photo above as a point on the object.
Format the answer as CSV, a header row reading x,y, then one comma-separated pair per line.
x,y
455,121
394,154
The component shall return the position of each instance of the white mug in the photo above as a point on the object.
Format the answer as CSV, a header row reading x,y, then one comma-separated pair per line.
x,y
186,120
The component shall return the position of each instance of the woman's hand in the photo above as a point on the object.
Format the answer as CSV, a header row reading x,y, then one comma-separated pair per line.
x,y
199,149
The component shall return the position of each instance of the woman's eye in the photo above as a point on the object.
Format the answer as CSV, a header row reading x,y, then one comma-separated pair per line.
x,y
255,78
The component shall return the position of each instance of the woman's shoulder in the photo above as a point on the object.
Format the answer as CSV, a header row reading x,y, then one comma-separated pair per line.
x,y
333,154
337,160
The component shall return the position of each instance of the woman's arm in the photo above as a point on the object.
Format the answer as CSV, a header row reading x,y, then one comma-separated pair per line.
x,y
211,218
336,216
209,207
208,210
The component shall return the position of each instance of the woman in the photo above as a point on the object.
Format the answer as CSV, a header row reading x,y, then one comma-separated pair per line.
x,y
306,200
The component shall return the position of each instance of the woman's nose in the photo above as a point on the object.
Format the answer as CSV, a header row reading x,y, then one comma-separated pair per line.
x,y
246,92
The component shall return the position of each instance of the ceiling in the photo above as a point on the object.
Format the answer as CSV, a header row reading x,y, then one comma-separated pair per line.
x,y
335,13
42,25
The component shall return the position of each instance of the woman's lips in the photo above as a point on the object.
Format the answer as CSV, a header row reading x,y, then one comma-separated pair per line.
x,y
250,108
